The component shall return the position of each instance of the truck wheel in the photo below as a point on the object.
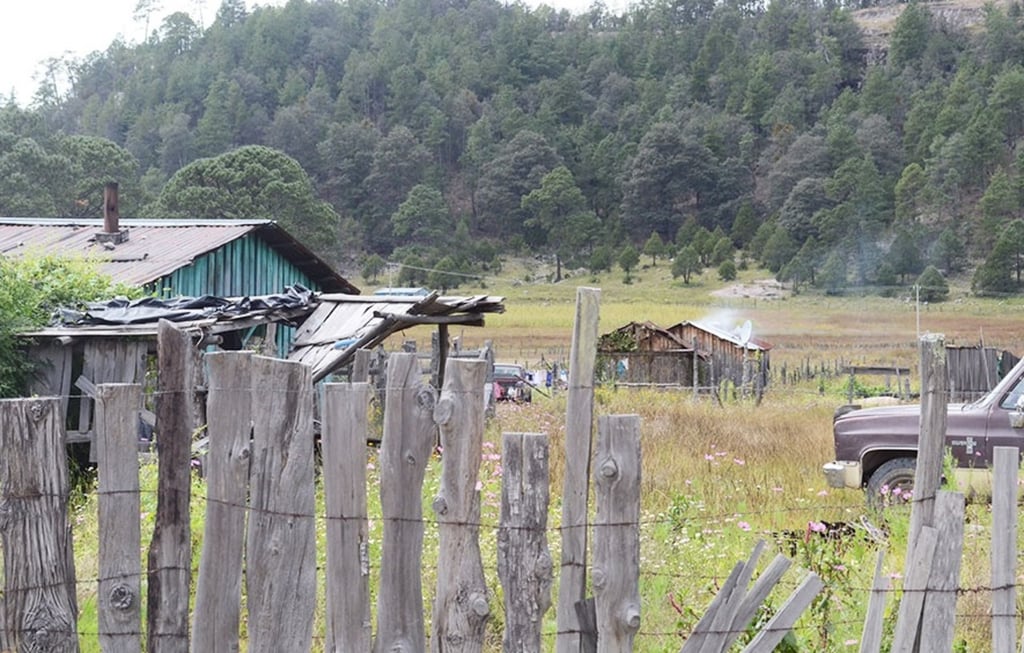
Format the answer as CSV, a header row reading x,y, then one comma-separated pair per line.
x,y
892,483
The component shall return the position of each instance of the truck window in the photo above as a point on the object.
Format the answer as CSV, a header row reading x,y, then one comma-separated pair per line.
x,y
1009,402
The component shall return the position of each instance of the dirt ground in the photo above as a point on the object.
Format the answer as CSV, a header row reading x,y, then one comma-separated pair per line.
x,y
758,289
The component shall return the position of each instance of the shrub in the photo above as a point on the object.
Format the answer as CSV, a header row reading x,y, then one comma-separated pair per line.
x,y
31,289
932,285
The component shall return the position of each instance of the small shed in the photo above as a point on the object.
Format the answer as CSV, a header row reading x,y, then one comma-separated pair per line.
x,y
733,356
115,342
642,353
687,354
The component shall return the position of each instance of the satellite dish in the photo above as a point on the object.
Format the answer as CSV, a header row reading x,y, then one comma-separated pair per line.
x,y
743,332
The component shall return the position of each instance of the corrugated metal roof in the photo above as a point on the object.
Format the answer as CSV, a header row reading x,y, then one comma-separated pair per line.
x,y
724,334
156,248
341,324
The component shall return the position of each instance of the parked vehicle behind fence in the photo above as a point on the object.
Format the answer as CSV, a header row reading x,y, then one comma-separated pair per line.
x,y
512,383
876,448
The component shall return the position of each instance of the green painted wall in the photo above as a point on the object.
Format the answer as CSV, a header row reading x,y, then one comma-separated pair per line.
x,y
244,267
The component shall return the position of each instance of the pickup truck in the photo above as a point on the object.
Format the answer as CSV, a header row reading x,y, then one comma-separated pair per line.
x,y
876,448
512,383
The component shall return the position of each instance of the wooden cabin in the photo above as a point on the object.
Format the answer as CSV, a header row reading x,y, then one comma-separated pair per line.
x,y
688,354
642,353
733,356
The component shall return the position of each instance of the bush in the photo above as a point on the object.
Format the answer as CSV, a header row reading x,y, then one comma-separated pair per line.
x,y
933,286
727,271
31,289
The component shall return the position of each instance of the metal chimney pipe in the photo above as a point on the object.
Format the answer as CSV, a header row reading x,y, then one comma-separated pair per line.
x,y
110,213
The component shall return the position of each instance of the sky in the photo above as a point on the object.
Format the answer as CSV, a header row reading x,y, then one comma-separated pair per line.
x,y
32,31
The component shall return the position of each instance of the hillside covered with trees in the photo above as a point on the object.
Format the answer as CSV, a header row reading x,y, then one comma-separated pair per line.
x,y
444,133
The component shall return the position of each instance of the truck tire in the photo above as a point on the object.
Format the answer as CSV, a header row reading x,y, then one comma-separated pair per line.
x,y
892,483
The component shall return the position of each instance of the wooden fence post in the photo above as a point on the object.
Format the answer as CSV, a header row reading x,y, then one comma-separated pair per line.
x,y
579,427
169,563
616,568
1006,463
460,605
39,570
939,612
932,438
360,366
219,588
120,533
281,540
524,560
776,628
409,436
915,583
871,639
345,431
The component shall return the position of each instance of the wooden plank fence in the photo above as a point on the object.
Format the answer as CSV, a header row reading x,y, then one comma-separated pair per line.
x,y
260,526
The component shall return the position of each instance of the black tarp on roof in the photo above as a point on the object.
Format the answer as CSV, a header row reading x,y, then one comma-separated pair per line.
x,y
182,309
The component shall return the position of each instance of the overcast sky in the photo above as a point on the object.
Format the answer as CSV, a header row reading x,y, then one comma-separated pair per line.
x,y
32,31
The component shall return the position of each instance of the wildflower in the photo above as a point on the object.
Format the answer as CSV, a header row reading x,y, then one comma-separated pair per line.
x,y
776,489
884,491
816,526
823,493
739,461
743,526
851,642
708,456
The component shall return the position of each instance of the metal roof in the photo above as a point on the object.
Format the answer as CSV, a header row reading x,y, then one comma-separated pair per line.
x,y
720,332
205,315
343,324
156,248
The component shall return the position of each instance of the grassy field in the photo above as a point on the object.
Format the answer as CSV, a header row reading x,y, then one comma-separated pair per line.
x,y
717,477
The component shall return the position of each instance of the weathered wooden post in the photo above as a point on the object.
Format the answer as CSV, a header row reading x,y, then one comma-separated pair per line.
x,y
579,425
360,366
939,613
219,589
915,582
170,550
409,435
39,606
120,533
934,400
775,630
933,549
616,569
1006,461
871,639
524,560
345,431
281,541
460,605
